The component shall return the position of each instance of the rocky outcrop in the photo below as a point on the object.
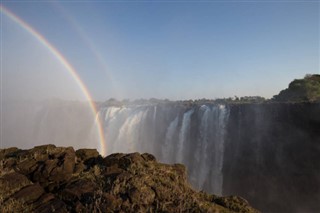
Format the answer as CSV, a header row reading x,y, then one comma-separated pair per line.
x,y
55,179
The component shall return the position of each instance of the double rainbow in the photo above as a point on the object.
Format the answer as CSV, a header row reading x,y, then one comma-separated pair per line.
x,y
68,67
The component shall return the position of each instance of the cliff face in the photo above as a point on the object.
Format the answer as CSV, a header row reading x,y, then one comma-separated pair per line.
x,y
267,152
56,179
272,156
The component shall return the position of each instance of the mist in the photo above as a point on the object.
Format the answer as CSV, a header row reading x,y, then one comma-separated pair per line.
x,y
41,102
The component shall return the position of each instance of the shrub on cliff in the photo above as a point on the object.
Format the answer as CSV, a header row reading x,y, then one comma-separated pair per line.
x,y
306,89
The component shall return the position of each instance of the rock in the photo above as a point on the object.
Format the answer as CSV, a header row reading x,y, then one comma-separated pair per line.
x,y
4,153
27,166
79,167
234,203
14,180
148,157
111,202
45,198
56,179
54,205
82,190
141,195
29,194
64,167
11,183
86,154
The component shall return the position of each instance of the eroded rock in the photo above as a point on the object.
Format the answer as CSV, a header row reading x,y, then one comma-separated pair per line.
x,y
56,179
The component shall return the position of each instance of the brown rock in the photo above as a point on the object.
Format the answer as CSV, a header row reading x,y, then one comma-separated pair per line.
x,y
65,166
27,166
117,183
85,154
11,183
29,194
54,205
79,207
148,157
143,195
81,190
112,159
14,180
112,203
45,198
5,152
79,167
113,171
234,203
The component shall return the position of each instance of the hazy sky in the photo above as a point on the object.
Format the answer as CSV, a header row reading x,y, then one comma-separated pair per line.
x,y
164,49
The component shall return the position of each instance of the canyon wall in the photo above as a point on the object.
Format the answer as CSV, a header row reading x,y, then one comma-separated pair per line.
x,y
267,153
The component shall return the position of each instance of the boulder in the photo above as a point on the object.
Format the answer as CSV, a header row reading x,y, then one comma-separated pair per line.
x,y
86,154
29,194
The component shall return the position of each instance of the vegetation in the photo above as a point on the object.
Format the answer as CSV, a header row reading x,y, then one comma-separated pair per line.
x,y
300,90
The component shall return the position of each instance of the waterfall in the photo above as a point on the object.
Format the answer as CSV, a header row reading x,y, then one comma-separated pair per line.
x,y
129,133
222,115
168,146
183,135
201,171
194,137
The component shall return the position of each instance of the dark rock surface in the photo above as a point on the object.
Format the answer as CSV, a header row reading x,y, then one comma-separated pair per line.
x,y
273,150
56,179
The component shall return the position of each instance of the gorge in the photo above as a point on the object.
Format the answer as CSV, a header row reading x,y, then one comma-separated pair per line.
x,y
265,151
268,150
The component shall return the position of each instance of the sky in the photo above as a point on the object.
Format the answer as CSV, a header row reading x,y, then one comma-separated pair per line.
x,y
159,49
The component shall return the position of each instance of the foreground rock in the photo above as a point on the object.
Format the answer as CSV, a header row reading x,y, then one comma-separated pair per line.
x,y
55,179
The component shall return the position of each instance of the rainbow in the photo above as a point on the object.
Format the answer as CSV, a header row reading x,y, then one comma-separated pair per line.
x,y
89,43
67,65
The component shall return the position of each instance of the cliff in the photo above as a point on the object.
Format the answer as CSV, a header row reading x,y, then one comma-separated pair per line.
x,y
57,179
272,150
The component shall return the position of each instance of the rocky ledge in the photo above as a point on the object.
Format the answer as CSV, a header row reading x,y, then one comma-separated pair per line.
x,y
58,179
